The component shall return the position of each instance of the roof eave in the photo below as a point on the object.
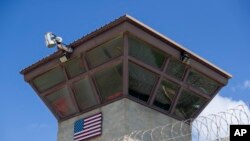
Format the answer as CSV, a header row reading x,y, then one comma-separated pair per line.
x,y
127,18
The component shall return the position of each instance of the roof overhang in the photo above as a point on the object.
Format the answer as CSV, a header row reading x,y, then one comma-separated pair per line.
x,y
124,26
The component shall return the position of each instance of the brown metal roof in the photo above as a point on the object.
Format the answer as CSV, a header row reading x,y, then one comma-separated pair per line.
x,y
127,18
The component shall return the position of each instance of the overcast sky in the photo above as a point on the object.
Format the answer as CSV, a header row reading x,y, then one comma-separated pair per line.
x,y
218,30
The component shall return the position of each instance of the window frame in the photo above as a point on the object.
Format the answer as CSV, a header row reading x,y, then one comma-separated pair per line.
x,y
124,58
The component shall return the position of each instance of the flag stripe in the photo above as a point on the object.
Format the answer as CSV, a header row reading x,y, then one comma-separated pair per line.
x,y
88,127
95,134
87,133
91,121
92,117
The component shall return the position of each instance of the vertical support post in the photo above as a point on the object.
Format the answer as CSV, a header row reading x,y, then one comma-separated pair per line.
x,y
125,63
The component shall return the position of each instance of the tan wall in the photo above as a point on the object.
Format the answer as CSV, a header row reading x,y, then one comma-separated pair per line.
x,y
119,118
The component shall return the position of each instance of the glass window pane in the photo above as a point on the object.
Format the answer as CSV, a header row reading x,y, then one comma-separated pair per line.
x,y
165,94
61,102
146,53
109,82
176,69
202,83
49,79
141,82
105,52
84,94
187,104
74,67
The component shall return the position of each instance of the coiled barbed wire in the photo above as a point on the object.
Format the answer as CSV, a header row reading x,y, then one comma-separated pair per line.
x,y
213,127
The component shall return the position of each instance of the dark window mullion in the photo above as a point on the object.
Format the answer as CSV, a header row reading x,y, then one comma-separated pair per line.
x,y
95,89
84,61
173,105
109,82
125,63
68,86
92,72
93,86
73,97
155,89
207,102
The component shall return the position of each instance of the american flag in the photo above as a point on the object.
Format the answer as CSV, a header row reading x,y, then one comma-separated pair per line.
x,y
88,127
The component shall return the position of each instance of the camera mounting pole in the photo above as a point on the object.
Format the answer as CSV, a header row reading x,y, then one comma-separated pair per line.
x,y
52,40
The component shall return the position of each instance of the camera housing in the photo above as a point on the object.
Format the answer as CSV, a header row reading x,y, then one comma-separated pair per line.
x,y
52,40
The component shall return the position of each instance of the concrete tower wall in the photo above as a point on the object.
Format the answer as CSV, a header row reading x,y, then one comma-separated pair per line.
x,y
119,118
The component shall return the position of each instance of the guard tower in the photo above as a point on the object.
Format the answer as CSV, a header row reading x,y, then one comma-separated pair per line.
x,y
130,74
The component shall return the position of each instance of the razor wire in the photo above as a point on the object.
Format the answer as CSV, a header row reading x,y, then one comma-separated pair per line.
x,y
212,127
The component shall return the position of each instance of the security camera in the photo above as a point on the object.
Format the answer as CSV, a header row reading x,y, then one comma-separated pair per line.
x,y
52,40
185,58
